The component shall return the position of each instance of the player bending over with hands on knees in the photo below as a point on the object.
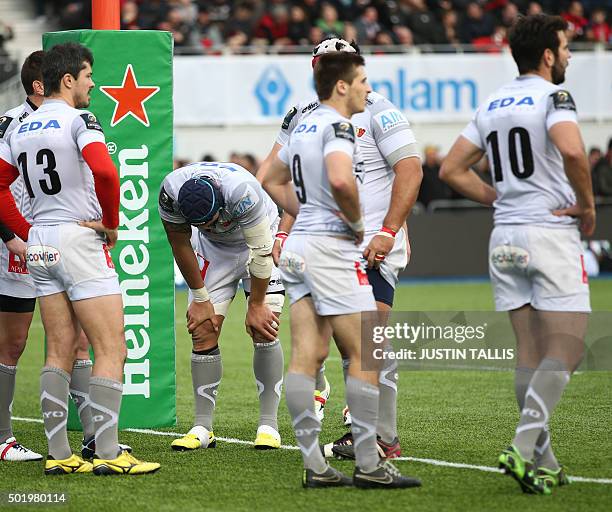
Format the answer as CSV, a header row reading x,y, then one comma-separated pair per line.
x,y
235,223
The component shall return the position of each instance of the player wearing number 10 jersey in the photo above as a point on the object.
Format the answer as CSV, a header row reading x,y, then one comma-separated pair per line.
x,y
542,184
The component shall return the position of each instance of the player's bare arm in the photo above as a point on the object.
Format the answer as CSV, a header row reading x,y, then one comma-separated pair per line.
x,y
287,220
201,308
408,177
277,183
17,246
260,318
284,228
566,136
264,168
344,190
456,171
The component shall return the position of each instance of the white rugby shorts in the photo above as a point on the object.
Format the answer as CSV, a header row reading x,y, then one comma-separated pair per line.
x,y
329,269
15,279
395,261
73,259
223,266
540,266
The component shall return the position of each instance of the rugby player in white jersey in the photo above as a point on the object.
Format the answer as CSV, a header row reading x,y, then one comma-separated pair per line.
x,y
18,295
322,268
236,222
389,185
73,188
17,291
543,198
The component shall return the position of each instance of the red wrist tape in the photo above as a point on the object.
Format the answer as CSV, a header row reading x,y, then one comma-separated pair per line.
x,y
389,231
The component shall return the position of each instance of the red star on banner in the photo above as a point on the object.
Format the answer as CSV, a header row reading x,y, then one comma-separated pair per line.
x,y
129,98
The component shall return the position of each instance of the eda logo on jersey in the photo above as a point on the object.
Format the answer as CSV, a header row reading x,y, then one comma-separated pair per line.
x,y
305,128
37,125
506,102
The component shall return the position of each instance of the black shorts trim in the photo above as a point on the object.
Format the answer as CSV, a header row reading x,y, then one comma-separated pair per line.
x,y
383,291
280,292
10,304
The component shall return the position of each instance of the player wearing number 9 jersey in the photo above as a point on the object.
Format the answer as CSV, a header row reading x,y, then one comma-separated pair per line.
x,y
542,184
73,187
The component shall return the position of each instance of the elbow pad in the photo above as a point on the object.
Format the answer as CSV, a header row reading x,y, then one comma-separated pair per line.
x,y
260,242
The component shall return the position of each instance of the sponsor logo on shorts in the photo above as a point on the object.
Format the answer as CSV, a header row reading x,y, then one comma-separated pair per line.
x,y
15,265
508,256
360,132
292,262
42,256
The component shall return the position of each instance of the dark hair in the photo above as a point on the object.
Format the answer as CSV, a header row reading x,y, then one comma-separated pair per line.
x,y
62,59
31,71
332,67
530,36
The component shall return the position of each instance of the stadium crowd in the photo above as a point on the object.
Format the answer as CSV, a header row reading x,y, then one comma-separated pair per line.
x,y
212,25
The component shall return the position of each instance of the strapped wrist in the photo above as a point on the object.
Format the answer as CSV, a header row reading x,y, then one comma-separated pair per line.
x,y
357,226
281,236
200,294
388,232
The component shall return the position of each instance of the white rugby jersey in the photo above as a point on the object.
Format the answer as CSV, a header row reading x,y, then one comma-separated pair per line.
x,y
322,132
246,203
8,122
381,130
526,167
46,149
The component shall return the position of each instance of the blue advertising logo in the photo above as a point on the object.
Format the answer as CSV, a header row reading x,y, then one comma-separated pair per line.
x,y
422,95
272,91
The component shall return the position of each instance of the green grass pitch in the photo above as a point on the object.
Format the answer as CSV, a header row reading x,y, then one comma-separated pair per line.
x,y
460,416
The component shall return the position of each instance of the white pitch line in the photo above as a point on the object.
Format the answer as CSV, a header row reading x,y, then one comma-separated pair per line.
x,y
231,440
459,465
433,462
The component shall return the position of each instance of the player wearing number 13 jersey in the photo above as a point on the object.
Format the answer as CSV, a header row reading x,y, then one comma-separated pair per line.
x,y
73,187
542,184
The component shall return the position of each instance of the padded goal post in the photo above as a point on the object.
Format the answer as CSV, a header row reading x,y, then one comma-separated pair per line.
x,y
132,99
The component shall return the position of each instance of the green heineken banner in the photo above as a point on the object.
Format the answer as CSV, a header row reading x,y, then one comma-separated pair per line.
x,y
133,101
